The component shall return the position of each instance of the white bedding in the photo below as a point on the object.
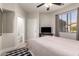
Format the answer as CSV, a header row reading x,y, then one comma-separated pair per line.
x,y
53,46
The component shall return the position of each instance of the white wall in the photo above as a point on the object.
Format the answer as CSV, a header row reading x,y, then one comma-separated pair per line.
x,y
67,8
32,25
45,20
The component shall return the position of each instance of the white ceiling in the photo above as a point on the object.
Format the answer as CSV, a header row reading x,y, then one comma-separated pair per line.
x,y
31,7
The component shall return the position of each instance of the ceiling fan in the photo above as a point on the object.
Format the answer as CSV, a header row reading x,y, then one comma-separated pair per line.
x,y
48,5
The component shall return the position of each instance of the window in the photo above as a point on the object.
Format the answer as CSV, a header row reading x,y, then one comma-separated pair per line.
x,y
73,21
63,22
68,21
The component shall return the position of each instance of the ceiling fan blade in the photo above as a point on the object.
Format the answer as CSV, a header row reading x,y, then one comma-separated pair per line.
x,y
48,9
40,5
58,4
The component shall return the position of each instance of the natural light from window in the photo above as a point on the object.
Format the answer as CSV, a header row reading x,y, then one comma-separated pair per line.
x,y
68,21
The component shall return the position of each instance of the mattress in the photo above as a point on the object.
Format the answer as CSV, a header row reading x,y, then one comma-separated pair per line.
x,y
53,46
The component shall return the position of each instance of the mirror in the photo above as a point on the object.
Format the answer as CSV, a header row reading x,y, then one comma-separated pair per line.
x,y
6,21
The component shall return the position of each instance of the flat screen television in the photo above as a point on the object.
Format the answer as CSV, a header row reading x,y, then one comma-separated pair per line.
x,y
45,29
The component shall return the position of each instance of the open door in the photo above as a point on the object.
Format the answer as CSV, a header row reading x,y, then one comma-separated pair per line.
x,y
20,31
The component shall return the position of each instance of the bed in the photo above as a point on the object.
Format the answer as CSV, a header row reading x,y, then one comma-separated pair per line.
x,y
53,46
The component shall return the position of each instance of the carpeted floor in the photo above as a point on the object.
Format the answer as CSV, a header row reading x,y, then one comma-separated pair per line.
x,y
19,52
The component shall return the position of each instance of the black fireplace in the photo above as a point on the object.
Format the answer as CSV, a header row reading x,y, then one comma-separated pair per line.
x,y
45,31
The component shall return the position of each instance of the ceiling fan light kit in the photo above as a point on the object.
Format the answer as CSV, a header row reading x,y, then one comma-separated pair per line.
x,y
48,5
